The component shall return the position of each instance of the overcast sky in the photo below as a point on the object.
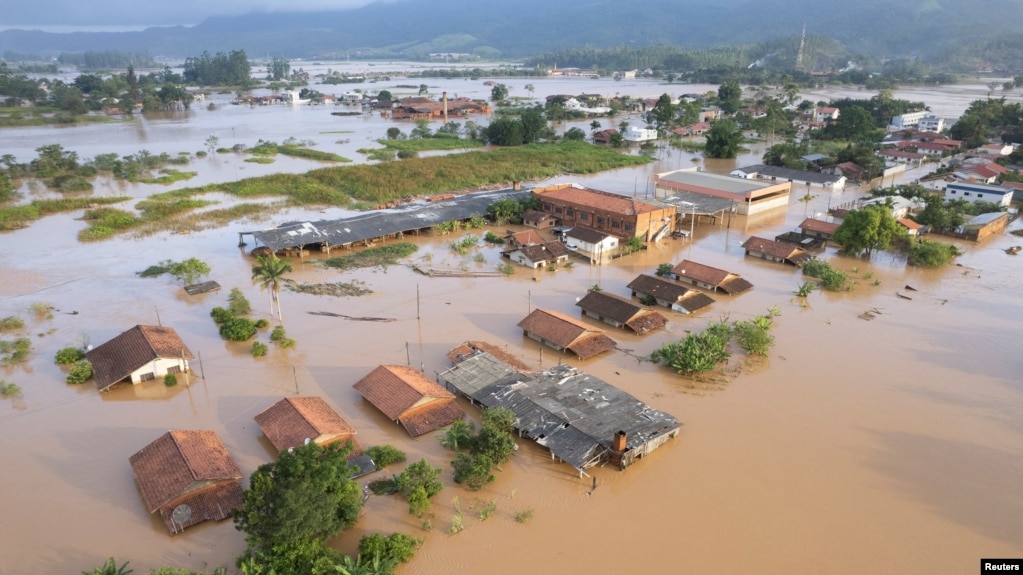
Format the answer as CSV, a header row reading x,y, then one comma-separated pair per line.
x,y
67,15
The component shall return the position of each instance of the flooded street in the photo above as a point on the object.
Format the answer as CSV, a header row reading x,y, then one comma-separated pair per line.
x,y
893,445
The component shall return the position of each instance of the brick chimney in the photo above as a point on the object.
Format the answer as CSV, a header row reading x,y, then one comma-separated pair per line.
x,y
618,447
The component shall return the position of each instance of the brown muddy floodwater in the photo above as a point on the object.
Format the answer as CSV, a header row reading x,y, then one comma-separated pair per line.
x,y
893,445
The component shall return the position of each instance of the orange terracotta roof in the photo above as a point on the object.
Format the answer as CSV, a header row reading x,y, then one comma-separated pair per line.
x,y
292,420
178,462
597,199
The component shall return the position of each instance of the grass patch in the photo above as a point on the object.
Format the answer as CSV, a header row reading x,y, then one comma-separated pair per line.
x,y
14,351
260,160
11,322
106,222
373,257
429,144
380,183
21,118
8,389
17,217
169,177
339,289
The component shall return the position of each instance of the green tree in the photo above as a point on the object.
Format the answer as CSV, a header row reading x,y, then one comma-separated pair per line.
x,y
729,97
384,96
575,134
392,549
270,272
867,229
419,483
928,254
189,271
499,93
854,124
662,116
305,495
473,471
724,139
458,436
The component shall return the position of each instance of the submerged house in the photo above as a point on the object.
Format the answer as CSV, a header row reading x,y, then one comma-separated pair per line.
x,y
409,398
710,278
620,312
294,421
669,294
565,334
775,251
583,421
142,353
187,476
538,255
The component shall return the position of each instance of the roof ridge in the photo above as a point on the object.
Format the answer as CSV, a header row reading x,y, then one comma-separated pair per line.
x,y
188,463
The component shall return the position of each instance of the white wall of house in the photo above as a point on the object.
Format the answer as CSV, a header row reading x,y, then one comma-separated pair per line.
x,y
159,368
974,193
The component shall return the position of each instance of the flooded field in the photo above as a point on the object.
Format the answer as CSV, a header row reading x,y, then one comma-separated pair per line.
x,y
888,445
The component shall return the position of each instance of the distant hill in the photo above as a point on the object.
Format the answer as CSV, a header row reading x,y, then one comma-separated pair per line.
x,y
519,28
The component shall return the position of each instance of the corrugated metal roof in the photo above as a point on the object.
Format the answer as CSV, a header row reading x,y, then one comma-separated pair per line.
x,y
373,224
574,414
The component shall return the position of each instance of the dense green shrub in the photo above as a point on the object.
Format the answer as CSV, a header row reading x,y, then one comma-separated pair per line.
x,y
80,372
14,351
170,380
390,551
278,334
221,315
261,323
238,329
929,254
7,389
258,349
384,455
69,355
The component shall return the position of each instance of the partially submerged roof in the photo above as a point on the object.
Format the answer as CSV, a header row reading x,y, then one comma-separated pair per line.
x,y
567,333
775,249
377,223
407,396
726,281
186,466
819,226
574,414
203,287
791,174
293,420
636,317
658,287
469,348
119,357
586,235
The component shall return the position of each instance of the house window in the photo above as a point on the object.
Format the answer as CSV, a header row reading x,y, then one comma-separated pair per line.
x,y
600,220
547,207
147,376
174,369
584,216
615,224
557,210
629,227
952,191
966,193
569,212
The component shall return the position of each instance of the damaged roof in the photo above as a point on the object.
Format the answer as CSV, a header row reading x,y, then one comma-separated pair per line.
x,y
572,413
376,223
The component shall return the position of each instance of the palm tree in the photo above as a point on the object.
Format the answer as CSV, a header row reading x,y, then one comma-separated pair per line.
x,y
458,436
270,273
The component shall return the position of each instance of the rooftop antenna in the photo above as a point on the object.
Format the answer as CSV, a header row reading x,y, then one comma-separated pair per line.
x,y
799,54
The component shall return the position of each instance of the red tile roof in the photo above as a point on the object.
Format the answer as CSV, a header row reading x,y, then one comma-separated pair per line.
x,y
292,420
402,393
567,333
820,226
622,310
187,466
780,250
605,201
909,224
119,357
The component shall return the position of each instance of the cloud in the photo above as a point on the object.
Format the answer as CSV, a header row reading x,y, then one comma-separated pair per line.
x,y
67,15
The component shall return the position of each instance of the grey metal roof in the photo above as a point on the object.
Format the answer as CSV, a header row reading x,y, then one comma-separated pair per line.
x,y
684,203
790,174
574,414
373,224
721,182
